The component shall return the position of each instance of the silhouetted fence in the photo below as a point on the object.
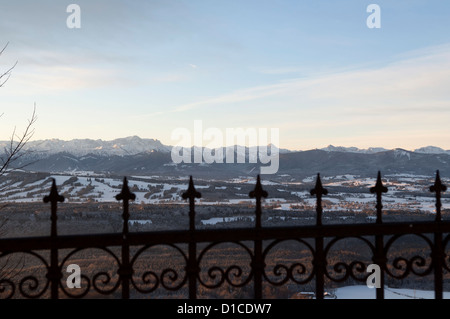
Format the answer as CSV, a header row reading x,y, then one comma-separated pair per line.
x,y
256,242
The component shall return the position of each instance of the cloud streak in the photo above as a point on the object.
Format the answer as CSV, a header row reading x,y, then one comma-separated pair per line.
x,y
411,83
401,104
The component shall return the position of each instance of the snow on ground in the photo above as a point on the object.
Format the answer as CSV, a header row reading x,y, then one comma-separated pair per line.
x,y
241,200
364,292
406,175
37,183
60,179
309,179
361,198
405,191
215,220
12,186
286,206
270,200
140,221
301,194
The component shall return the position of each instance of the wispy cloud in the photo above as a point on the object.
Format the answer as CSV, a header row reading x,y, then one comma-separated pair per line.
x,y
42,79
167,78
249,94
282,70
411,83
405,103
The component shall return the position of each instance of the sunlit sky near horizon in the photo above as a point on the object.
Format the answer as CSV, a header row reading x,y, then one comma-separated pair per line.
x,y
312,69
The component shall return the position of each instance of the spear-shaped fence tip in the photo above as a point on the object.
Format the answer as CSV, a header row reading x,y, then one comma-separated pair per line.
x,y
125,194
53,196
258,192
318,189
191,192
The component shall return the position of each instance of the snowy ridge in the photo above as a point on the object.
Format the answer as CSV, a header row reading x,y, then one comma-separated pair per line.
x,y
373,150
80,147
370,150
432,150
133,145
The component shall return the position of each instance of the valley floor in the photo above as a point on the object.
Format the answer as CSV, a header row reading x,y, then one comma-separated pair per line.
x,y
347,193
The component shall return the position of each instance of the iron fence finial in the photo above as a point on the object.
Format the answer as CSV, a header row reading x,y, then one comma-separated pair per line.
x,y
258,192
378,189
53,196
319,191
438,188
125,194
191,192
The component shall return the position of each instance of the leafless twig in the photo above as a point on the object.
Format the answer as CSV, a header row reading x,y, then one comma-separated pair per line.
x,y
14,151
5,76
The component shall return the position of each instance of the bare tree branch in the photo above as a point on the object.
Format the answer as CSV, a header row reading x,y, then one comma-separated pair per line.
x,y
12,153
4,77
16,144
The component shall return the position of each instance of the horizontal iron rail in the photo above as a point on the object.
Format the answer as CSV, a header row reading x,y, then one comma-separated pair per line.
x,y
222,235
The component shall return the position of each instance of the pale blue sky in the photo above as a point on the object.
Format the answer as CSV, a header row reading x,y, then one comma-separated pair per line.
x,y
313,69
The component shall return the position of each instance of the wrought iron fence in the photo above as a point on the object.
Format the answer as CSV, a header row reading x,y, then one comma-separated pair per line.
x,y
256,242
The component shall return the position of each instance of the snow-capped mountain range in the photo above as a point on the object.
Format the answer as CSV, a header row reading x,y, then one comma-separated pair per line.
x,y
80,147
432,150
134,155
133,145
372,150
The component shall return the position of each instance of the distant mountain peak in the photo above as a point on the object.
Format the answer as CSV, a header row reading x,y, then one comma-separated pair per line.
x,y
352,149
142,156
431,150
130,145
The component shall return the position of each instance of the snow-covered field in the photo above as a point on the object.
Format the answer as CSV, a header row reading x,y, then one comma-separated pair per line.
x,y
363,292
406,192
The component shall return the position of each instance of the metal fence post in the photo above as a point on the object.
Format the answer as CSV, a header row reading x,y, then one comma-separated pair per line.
x,y
379,256
438,252
258,263
54,272
319,261
125,271
192,268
